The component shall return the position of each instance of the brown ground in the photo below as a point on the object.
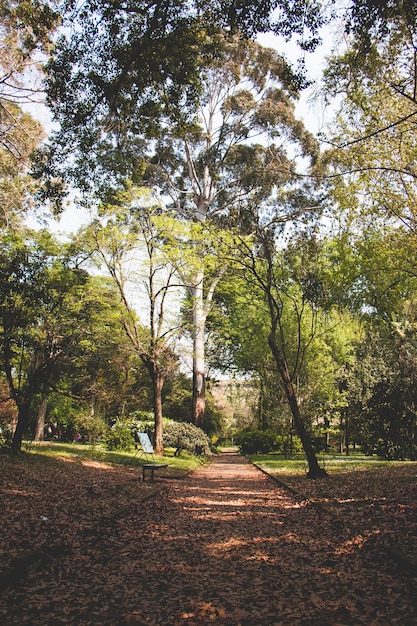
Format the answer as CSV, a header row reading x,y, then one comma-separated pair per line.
x,y
226,546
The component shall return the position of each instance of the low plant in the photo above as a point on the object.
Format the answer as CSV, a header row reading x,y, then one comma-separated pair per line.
x,y
186,436
119,437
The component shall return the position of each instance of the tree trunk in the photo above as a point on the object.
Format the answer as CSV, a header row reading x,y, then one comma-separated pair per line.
x,y
40,424
158,382
347,435
314,470
199,381
21,426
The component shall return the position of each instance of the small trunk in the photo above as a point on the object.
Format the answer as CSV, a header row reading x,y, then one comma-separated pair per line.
x,y
21,426
158,382
314,470
40,424
347,435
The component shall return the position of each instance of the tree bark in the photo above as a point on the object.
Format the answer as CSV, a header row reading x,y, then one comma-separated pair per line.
x,y
314,470
21,426
199,375
40,424
158,383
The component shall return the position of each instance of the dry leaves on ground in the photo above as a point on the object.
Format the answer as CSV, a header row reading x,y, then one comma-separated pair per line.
x,y
226,546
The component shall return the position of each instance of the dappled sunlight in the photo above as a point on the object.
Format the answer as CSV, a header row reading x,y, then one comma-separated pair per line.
x,y
18,492
97,465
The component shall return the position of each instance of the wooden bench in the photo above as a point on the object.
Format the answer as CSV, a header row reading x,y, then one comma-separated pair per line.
x,y
152,467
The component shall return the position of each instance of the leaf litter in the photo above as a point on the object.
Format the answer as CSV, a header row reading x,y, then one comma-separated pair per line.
x,y
228,545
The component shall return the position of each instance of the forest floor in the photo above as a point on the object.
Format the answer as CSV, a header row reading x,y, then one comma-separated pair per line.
x,y
225,546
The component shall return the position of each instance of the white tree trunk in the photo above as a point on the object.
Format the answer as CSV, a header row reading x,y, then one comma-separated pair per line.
x,y
199,366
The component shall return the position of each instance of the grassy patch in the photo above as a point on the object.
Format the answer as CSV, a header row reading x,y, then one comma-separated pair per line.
x,y
353,478
333,464
84,452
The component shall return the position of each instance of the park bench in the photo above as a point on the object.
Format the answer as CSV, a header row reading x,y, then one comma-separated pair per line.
x,y
146,451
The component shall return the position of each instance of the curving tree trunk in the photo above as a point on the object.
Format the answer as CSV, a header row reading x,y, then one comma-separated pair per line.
x,y
314,470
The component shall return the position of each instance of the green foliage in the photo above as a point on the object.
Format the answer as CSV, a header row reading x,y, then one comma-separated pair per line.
x,y
380,391
92,427
63,415
264,441
97,80
256,442
187,437
119,437
182,435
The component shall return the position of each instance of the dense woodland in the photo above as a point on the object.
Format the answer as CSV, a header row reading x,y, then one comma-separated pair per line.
x,y
227,240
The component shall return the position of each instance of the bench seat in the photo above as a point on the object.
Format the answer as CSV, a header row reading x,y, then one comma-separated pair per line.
x,y
152,467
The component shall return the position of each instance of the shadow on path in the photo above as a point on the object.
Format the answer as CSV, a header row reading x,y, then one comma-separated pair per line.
x,y
230,547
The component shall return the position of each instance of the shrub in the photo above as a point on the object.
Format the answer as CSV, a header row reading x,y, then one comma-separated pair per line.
x,y
186,436
119,437
256,442
286,446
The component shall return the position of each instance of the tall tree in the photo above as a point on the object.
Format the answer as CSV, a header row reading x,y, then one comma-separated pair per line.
x,y
374,149
20,134
128,238
293,299
235,156
25,31
122,72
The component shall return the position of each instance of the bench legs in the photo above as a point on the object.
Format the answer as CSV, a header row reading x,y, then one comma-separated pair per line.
x,y
152,467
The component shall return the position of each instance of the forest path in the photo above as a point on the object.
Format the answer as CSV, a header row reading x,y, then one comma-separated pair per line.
x,y
226,546
229,546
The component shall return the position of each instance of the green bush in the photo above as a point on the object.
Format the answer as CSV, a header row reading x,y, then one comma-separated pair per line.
x,y
286,446
256,442
119,437
186,436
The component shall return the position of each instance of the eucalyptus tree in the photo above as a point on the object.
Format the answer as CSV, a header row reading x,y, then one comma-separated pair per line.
x,y
236,155
122,72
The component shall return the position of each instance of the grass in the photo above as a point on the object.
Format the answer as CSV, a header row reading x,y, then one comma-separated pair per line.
x,y
348,476
53,450
332,463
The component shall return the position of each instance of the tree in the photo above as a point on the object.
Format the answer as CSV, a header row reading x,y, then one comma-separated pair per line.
x,y
61,333
374,150
128,239
288,289
124,72
19,136
25,33
235,155
36,283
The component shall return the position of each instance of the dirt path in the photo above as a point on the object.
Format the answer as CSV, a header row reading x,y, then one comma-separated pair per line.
x,y
227,546
231,547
